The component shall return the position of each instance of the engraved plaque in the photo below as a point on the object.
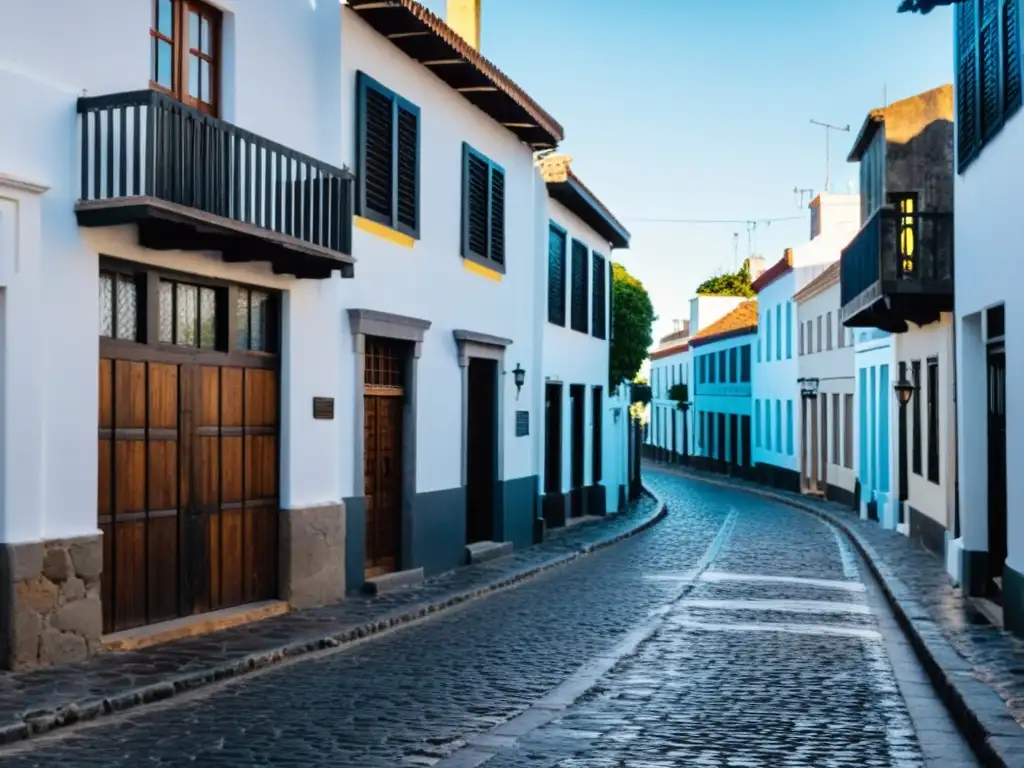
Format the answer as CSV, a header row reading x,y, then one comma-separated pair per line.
x,y
323,408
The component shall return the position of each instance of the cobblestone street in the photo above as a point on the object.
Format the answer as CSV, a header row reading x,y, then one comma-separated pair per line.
x,y
737,632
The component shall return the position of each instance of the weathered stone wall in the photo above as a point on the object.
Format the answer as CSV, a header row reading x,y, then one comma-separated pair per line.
x,y
50,610
312,564
923,164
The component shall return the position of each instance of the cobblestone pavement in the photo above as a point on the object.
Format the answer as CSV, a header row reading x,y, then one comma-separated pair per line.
x,y
723,678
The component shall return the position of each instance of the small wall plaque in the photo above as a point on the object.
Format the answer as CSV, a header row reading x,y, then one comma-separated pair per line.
x,y
522,423
323,408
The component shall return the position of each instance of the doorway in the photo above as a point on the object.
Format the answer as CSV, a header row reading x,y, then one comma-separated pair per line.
x,y
383,403
577,409
482,449
723,444
734,441
823,445
552,439
997,464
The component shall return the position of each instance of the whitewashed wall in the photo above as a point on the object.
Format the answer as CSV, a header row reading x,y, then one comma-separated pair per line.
x,y
876,350
430,280
39,85
775,372
666,371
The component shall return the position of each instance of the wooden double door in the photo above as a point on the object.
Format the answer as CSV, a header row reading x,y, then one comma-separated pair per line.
x,y
188,486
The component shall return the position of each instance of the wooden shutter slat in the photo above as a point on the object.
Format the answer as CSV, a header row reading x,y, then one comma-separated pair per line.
x,y
967,78
477,172
556,276
1011,56
378,146
497,233
988,48
579,286
408,163
598,313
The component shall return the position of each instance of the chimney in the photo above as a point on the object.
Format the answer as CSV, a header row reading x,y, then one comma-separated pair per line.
x,y
464,17
756,265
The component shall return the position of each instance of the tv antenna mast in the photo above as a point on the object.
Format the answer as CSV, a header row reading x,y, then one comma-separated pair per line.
x,y
735,249
829,127
800,192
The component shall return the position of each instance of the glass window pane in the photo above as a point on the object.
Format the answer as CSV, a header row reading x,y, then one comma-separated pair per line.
x,y
258,338
193,30
166,312
207,318
205,44
106,306
163,64
187,300
164,19
193,76
204,82
242,315
125,308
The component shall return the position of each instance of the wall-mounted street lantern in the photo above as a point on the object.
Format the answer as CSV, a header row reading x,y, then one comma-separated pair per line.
x,y
616,414
904,391
808,388
520,378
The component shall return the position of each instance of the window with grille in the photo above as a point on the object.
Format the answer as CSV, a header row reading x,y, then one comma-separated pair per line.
x,y
184,38
387,157
483,210
600,320
119,313
988,72
556,275
188,315
253,313
579,286
383,369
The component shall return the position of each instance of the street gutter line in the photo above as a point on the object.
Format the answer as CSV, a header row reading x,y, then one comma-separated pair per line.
x,y
482,747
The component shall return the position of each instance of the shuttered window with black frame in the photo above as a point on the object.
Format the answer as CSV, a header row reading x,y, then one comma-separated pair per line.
x,y
556,275
578,303
988,77
483,210
599,321
387,157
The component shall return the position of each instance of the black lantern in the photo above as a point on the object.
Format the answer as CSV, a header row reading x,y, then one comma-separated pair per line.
x,y
520,378
904,391
808,388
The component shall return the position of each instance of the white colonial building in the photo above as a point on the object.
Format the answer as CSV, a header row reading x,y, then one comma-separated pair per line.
x,y
780,338
989,320
232,365
825,410
670,365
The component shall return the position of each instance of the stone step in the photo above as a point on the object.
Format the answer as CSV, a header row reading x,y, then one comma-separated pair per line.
x,y
389,582
482,551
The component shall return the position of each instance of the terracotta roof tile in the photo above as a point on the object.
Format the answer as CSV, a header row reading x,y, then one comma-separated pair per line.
x,y
743,319
383,15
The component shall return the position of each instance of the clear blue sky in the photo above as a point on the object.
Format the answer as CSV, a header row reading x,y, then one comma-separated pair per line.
x,y
701,108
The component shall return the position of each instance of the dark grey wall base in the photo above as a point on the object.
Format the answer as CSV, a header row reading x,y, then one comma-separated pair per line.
x,y
595,500
841,496
779,477
927,532
975,572
355,543
1013,601
555,509
540,530
439,530
577,502
622,498
520,511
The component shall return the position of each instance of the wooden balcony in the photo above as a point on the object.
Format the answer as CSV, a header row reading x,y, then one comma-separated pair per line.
x,y
898,269
195,183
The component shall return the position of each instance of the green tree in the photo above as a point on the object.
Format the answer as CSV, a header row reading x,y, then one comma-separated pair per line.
x,y
729,284
632,319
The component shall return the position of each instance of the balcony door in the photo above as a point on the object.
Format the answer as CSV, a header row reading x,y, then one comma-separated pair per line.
x,y
185,52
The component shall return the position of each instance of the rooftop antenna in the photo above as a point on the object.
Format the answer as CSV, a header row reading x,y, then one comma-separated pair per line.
x,y
829,127
800,192
751,238
735,249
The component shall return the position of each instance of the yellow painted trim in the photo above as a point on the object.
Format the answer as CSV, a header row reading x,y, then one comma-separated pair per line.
x,y
481,270
383,231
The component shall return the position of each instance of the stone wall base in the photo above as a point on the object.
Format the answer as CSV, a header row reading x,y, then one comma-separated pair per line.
x,y
312,555
50,610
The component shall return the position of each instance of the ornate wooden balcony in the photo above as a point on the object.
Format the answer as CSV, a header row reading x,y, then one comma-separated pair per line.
x,y
193,182
898,268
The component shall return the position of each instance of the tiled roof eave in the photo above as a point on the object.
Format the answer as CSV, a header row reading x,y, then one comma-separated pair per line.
x,y
723,336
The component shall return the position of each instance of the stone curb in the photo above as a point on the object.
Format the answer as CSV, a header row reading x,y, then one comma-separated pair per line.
x,y
981,714
43,721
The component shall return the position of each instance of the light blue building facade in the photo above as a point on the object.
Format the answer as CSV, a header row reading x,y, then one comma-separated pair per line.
x,y
875,360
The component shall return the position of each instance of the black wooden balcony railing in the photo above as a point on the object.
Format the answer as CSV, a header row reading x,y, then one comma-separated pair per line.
x,y
898,268
194,182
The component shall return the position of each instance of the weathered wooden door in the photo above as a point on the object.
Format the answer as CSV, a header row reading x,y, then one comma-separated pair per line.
x,y
383,402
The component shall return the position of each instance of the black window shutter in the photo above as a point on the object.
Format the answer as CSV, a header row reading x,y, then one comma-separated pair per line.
x,y
476,176
579,286
497,216
989,59
376,143
598,322
556,276
407,169
966,82
1011,56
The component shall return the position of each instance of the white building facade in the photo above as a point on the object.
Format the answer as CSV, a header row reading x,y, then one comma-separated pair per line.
x,y
229,383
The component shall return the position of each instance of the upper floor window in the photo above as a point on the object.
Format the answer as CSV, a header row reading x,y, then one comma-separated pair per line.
x,y
483,210
789,330
599,322
185,52
711,368
745,363
872,176
906,204
556,275
734,368
768,335
118,306
578,290
988,71
778,331
387,157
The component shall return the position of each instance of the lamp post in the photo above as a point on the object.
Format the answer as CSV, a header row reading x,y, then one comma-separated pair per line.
x,y
685,408
904,391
